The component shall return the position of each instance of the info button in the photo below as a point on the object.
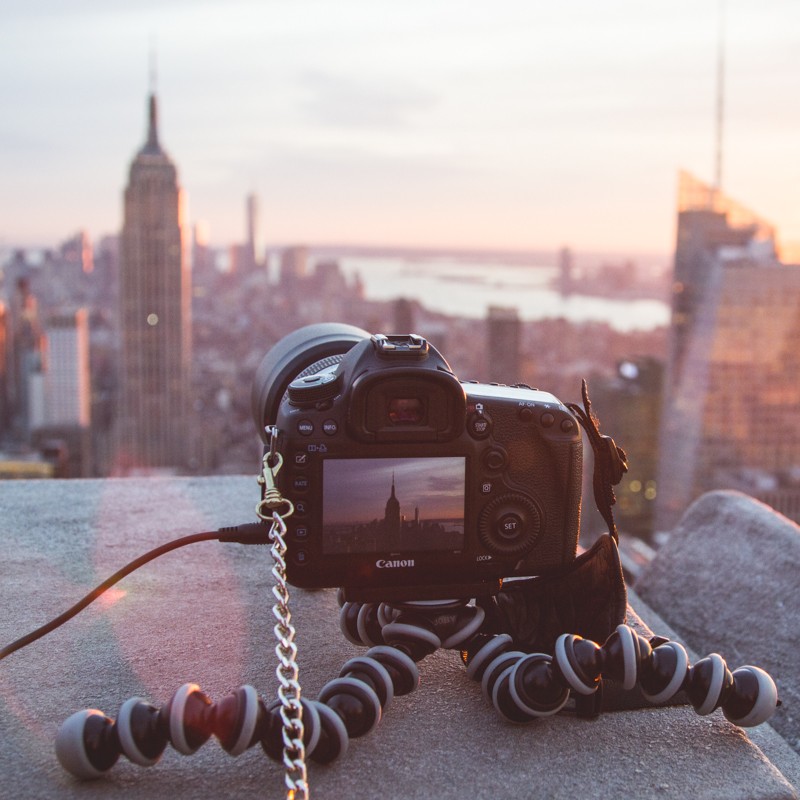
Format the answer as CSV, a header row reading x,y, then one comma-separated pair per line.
x,y
330,427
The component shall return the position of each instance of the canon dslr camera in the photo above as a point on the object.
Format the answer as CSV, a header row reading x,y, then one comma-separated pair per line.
x,y
406,482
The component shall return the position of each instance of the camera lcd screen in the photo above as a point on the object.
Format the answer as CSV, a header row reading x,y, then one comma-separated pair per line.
x,y
393,505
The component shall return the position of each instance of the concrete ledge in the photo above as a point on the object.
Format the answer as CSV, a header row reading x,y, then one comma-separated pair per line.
x,y
727,581
774,747
202,614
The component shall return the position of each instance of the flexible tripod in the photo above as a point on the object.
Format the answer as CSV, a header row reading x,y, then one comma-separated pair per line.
x,y
521,687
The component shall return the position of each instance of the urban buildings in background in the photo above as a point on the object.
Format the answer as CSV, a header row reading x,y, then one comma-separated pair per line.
x,y
246,258
504,329
731,414
45,391
114,361
153,426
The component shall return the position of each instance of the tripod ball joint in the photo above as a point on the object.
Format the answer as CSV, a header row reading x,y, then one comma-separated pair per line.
x,y
89,743
86,744
418,628
748,696
524,687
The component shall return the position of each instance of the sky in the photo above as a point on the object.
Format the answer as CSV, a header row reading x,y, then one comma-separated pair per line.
x,y
515,124
356,489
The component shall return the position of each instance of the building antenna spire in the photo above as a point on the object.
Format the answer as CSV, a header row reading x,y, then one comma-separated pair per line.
x,y
720,100
152,123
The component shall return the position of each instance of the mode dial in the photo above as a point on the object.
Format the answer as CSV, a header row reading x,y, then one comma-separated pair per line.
x,y
312,389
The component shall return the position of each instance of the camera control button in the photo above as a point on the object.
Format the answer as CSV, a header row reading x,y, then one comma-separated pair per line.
x,y
509,526
305,427
495,459
301,532
314,388
479,426
547,419
330,427
300,557
301,483
525,414
300,508
486,487
568,425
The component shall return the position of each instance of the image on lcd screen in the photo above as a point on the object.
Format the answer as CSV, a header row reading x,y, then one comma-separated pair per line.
x,y
392,505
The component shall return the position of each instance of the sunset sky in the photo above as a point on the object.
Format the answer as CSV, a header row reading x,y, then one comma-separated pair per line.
x,y
517,124
356,489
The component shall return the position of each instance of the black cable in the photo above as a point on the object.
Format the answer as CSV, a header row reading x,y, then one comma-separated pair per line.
x,y
249,533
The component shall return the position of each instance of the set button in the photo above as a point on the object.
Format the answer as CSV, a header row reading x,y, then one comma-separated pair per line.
x,y
510,526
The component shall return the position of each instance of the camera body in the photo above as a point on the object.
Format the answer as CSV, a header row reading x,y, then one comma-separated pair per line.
x,y
406,482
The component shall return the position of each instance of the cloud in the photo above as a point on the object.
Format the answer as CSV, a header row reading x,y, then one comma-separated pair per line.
x,y
339,101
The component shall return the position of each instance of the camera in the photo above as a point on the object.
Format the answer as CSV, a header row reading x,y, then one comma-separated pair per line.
x,y
407,483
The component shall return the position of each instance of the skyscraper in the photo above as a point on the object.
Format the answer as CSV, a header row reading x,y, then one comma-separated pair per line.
x,y
26,341
63,424
155,308
731,411
252,244
245,258
5,416
67,381
504,342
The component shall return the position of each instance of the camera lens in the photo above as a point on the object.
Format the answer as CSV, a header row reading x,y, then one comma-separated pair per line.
x,y
323,344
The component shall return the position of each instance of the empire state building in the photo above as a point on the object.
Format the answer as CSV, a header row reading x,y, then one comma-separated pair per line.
x,y
155,308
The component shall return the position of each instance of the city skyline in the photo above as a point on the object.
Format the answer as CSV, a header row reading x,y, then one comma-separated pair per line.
x,y
355,489
420,126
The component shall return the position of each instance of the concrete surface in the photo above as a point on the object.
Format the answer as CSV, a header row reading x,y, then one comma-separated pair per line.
x,y
765,737
203,614
727,581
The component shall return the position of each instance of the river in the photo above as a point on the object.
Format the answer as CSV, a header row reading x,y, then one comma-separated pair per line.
x,y
467,287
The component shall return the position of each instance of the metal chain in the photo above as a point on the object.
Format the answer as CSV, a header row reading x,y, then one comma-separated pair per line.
x,y
294,753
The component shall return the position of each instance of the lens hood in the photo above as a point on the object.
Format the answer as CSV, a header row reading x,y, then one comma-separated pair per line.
x,y
291,356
